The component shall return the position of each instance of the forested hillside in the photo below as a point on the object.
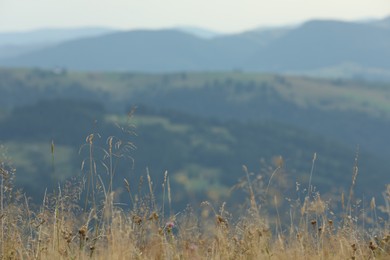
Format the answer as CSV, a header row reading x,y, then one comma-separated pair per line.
x,y
200,127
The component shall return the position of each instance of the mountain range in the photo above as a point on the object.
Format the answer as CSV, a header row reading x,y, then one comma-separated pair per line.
x,y
352,49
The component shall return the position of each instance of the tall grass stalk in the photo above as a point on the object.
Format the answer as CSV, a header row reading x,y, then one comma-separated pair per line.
x,y
353,183
2,214
310,188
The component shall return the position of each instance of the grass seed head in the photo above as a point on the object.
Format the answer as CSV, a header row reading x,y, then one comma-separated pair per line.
x,y
83,232
137,219
372,245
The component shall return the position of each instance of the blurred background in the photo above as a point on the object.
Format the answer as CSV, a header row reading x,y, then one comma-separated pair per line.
x,y
198,89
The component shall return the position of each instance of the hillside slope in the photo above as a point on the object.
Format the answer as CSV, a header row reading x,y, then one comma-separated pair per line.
x,y
209,123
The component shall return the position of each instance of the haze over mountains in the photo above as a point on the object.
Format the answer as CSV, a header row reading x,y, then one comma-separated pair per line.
x,y
349,49
17,43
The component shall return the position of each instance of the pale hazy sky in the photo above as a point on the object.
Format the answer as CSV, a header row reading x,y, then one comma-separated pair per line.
x,y
218,15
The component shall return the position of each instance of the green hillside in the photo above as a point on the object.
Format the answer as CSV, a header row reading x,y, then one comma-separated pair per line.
x,y
201,155
351,112
200,127
237,88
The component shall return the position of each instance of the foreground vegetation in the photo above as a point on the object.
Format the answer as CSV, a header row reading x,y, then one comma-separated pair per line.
x,y
82,219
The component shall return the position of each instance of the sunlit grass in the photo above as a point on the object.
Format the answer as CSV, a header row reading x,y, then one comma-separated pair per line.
x,y
83,220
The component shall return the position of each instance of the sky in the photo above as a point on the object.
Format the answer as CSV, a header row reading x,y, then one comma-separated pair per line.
x,y
224,16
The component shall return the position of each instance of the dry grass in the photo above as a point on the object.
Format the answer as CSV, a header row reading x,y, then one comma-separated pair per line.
x,y
70,225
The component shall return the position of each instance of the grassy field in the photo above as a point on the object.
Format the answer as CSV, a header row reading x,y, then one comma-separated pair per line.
x,y
84,220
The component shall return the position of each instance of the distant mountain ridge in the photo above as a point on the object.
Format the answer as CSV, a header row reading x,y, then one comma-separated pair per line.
x,y
318,44
14,44
314,45
199,32
50,35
